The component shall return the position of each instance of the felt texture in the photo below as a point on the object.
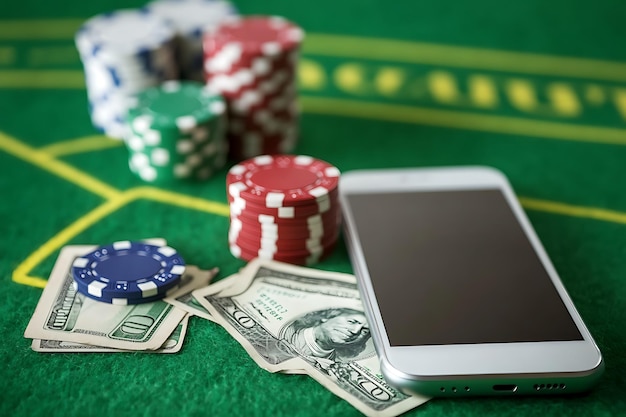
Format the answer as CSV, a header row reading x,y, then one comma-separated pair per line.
x,y
574,161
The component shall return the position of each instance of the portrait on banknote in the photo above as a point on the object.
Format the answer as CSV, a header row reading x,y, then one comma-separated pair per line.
x,y
330,334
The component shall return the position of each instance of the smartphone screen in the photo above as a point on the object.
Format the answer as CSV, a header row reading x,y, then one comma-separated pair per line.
x,y
455,267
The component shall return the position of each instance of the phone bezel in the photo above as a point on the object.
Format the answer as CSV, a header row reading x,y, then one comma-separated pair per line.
x,y
419,366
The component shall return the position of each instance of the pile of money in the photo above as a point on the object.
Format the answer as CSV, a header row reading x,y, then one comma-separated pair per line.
x,y
289,319
68,321
294,319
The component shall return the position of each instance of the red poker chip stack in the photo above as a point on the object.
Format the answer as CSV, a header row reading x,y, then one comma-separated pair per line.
x,y
283,207
251,62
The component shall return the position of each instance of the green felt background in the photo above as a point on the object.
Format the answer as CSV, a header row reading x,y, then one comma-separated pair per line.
x,y
564,153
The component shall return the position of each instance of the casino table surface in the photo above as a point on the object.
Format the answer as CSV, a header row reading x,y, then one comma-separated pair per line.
x,y
536,89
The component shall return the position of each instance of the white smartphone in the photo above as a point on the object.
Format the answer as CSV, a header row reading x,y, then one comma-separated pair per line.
x,y
460,294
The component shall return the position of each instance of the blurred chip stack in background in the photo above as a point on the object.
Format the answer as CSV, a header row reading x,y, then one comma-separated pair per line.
x,y
190,19
252,62
123,53
177,133
145,71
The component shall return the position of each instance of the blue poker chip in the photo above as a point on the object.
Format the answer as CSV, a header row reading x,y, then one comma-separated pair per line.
x,y
128,272
130,301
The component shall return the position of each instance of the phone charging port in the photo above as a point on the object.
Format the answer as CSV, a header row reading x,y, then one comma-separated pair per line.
x,y
505,387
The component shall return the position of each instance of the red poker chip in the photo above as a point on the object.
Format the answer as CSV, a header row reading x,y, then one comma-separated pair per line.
x,y
261,115
252,134
264,118
252,63
218,62
257,68
269,233
268,127
255,108
285,145
319,206
248,255
260,125
275,98
240,149
283,215
255,35
289,232
307,240
301,244
244,61
273,235
255,140
244,81
287,245
233,53
326,220
287,228
270,136
283,232
276,250
282,180
263,121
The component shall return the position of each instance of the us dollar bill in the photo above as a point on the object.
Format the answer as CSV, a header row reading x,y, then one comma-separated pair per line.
x,y
172,345
63,314
188,302
292,318
185,301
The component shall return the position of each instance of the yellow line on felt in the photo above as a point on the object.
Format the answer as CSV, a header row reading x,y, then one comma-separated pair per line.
x,y
183,200
418,115
80,145
7,55
37,282
434,117
463,120
594,213
45,79
61,169
462,57
20,274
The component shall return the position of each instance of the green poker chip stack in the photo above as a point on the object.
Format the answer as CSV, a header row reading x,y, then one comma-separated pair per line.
x,y
177,132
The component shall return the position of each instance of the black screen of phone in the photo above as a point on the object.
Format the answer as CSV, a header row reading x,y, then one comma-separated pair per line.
x,y
451,267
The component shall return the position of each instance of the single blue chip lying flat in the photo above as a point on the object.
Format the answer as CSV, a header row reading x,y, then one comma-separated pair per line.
x,y
128,272
129,301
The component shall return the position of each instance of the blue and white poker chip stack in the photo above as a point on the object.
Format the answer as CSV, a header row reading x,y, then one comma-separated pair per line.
x,y
123,53
128,272
191,18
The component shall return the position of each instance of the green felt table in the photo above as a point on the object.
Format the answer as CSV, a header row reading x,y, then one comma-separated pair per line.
x,y
536,89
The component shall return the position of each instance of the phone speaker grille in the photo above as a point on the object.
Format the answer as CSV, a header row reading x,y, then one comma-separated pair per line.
x,y
454,390
559,386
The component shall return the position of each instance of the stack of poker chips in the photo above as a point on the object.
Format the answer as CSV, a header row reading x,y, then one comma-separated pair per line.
x,y
177,132
191,18
252,62
123,52
128,272
283,207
